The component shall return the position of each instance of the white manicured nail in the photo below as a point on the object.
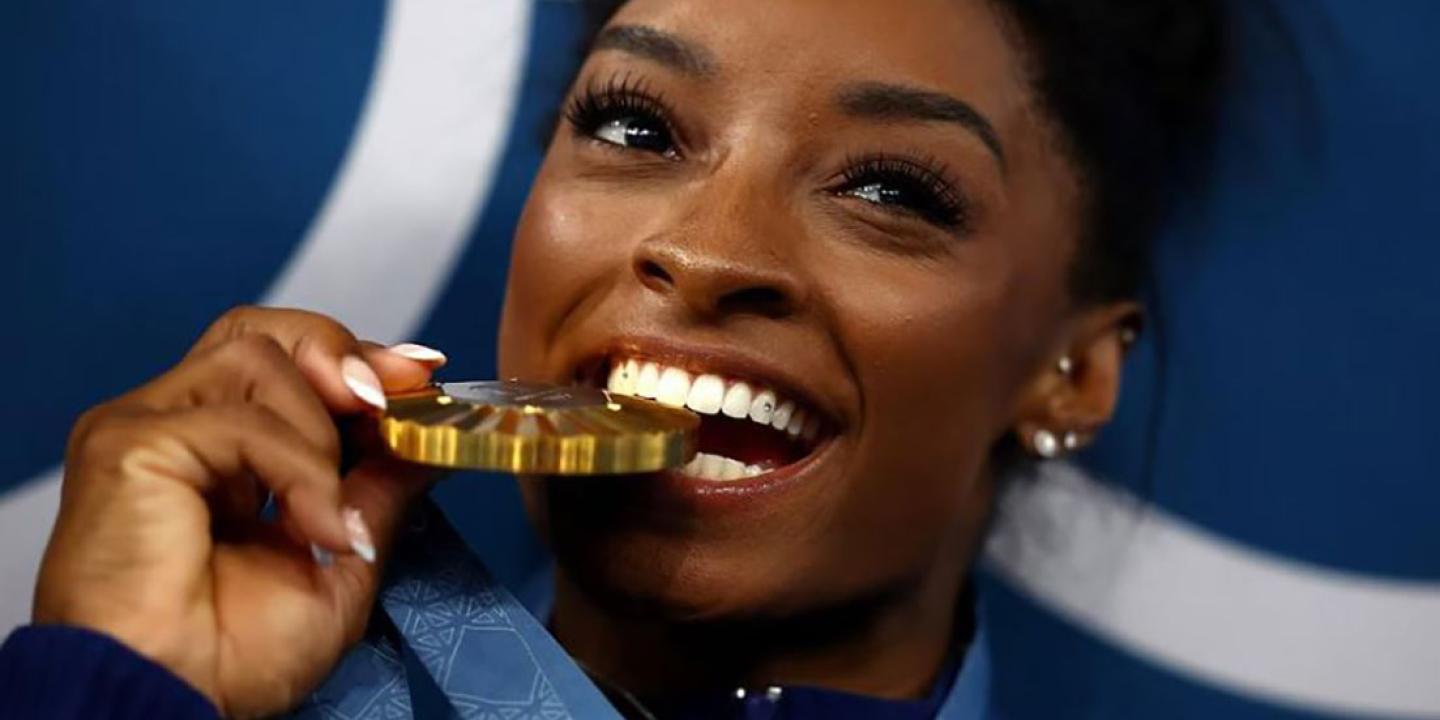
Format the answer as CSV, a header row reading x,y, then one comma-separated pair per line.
x,y
362,381
359,534
419,353
323,558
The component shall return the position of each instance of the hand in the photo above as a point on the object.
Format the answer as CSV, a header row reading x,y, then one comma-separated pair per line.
x,y
159,544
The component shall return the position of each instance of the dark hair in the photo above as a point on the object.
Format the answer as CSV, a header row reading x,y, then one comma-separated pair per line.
x,y
1131,87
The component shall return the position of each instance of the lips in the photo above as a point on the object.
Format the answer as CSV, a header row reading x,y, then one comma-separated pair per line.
x,y
748,427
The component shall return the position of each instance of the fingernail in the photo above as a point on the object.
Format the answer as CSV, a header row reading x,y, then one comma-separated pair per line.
x,y
362,381
323,558
419,353
360,540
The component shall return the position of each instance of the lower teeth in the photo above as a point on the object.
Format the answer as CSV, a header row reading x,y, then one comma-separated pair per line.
x,y
706,466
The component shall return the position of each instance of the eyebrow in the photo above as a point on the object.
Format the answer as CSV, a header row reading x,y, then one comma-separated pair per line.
x,y
673,51
882,101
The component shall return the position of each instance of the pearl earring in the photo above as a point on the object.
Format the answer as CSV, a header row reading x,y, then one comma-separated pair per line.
x,y
1065,365
1046,445
1071,441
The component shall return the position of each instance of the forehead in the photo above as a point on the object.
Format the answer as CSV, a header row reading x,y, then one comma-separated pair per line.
x,y
959,47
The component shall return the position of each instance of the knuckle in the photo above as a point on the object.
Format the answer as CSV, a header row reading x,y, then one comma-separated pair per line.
x,y
235,322
258,420
238,314
252,417
248,353
100,427
298,328
311,319
257,345
102,433
84,425
322,329
307,321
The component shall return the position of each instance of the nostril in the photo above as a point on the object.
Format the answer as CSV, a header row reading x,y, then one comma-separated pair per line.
x,y
652,272
764,300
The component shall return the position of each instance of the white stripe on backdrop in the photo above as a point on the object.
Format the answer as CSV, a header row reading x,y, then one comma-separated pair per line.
x,y
422,161
25,515
431,133
1215,611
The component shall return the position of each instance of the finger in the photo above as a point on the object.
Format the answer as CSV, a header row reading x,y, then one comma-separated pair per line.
x,y
377,494
214,446
247,369
427,356
317,344
381,489
327,353
398,371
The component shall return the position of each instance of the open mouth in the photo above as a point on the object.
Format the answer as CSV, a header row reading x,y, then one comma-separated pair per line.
x,y
748,428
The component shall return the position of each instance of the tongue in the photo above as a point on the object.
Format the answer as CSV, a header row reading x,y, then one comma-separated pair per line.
x,y
748,442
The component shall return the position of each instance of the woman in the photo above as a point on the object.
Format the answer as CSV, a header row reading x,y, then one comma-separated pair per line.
x,y
919,228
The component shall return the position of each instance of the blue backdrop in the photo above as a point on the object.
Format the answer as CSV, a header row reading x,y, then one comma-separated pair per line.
x,y
1255,537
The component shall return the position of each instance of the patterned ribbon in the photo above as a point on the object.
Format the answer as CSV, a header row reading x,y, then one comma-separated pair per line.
x,y
452,641
449,641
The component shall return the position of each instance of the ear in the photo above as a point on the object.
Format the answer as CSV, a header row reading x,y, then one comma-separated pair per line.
x,y
1074,391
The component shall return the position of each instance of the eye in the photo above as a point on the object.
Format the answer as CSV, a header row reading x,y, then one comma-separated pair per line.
x,y
637,133
915,187
624,113
882,194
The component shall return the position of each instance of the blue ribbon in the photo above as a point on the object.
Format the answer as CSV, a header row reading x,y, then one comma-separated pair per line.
x,y
449,641
447,625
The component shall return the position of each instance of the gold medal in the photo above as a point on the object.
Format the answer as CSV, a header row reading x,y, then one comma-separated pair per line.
x,y
537,429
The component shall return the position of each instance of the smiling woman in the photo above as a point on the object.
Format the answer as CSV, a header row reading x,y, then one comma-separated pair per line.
x,y
886,252
924,241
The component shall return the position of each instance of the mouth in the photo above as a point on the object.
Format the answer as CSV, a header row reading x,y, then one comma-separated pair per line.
x,y
751,428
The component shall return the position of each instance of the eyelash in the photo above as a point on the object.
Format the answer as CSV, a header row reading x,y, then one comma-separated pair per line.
x,y
935,199
618,98
920,181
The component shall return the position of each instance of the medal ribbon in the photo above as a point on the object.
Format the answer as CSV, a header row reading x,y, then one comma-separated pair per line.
x,y
446,618
449,640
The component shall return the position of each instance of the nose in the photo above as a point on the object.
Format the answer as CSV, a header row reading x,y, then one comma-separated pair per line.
x,y
715,286
719,266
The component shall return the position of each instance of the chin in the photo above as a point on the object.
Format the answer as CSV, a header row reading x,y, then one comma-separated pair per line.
x,y
654,580
634,553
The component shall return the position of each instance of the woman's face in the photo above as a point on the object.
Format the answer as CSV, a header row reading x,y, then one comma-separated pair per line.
x,y
853,204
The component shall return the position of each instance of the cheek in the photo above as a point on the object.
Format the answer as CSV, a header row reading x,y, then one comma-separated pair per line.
x,y
565,246
936,361
931,350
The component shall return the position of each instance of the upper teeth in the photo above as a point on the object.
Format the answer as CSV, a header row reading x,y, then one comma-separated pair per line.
x,y
709,394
